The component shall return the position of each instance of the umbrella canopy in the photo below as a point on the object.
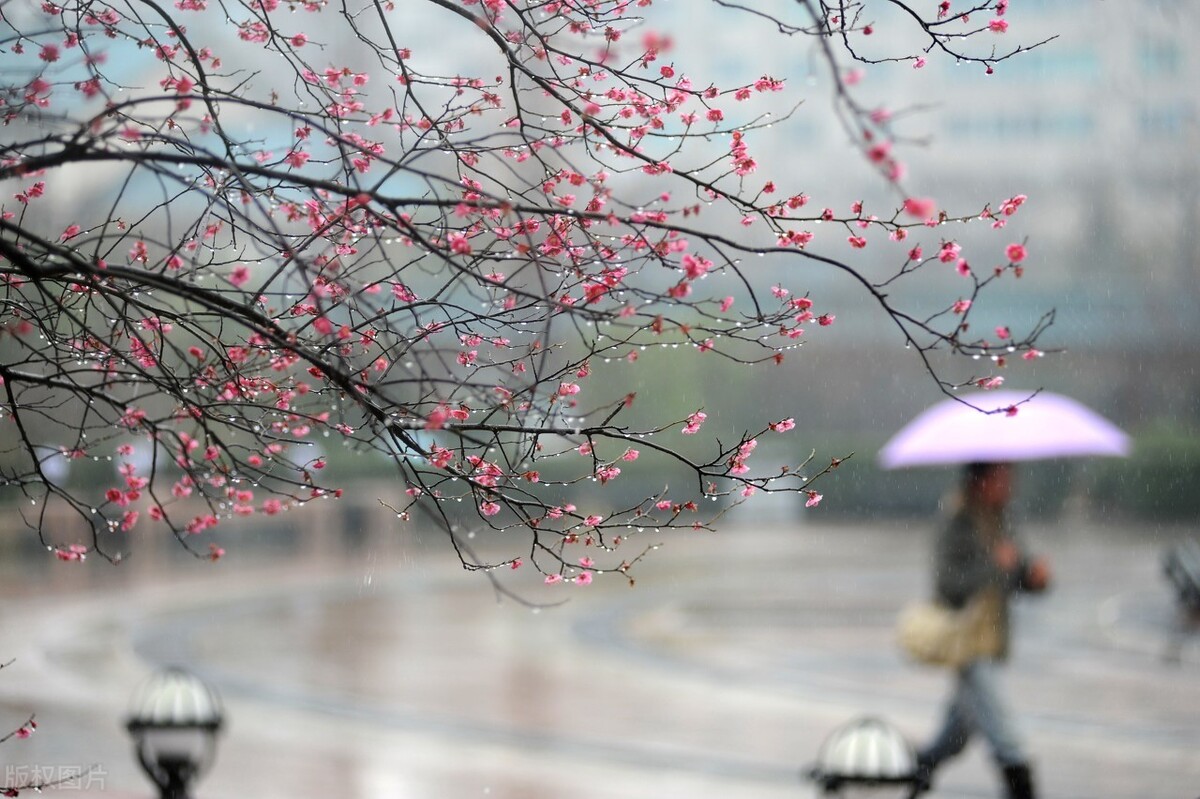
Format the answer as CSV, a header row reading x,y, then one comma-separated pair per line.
x,y
1047,426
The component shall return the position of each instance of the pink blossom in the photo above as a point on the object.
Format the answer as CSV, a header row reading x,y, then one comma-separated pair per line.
x,y
583,578
436,419
920,207
813,500
239,276
630,455
403,293
949,252
299,40
998,25
551,579
1002,332
1015,253
693,423
1011,205
440,457
593,520
784,425
489,508
694,266
726,304
606,473
961,306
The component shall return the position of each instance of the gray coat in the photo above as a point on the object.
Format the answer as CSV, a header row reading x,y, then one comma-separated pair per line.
x,y
964,566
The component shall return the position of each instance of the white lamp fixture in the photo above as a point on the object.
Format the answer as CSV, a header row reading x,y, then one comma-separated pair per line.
x,y
867,753
174,719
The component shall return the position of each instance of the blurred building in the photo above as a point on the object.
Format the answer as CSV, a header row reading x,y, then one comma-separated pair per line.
x,y
1099,126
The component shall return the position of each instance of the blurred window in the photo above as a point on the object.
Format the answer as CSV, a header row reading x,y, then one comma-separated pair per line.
x,y
1065,125
1159,58
1166,121
1047,63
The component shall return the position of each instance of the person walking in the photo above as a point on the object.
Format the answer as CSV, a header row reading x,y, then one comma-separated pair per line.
x,y
977,559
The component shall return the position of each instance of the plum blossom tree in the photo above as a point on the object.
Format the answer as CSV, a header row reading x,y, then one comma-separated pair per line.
x,y
229,229
20,779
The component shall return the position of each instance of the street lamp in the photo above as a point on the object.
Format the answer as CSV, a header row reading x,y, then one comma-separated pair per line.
x,y
174,718
871,755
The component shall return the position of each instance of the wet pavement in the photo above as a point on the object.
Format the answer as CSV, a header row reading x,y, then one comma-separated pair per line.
x,y
390,672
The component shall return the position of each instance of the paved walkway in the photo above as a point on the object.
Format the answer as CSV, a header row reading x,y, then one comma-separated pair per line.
x,y
392,673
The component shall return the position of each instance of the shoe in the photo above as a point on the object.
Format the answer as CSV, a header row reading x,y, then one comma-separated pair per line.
x,y
923,774
1018,779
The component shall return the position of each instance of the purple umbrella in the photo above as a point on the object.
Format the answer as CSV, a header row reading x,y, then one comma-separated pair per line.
x,y
1047,426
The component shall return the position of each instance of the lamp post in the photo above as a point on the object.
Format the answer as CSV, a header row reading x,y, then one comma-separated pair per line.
x,y
174,719
870,754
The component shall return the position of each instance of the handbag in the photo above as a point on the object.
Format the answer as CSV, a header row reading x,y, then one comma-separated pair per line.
x,y
936,634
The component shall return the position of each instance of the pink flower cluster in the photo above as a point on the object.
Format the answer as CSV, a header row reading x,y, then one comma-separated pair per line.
x,y
693,423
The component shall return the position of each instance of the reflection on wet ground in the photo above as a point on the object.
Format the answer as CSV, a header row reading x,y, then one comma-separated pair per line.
x,y
390,672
